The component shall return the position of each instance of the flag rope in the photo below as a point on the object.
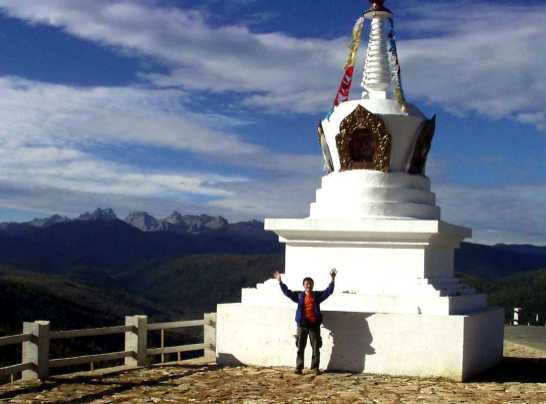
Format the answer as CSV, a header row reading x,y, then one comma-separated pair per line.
x,y
396,75
348,71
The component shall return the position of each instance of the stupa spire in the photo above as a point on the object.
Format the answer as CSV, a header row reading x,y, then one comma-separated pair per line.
x,y
381,67
377,71
381,77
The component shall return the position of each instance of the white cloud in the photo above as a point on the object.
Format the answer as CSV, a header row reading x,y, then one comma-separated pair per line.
x,y
41,114
72,170
534,118
42,201
480,57
511,214
66,181
46,131
53,114
226,58
464,56
278,194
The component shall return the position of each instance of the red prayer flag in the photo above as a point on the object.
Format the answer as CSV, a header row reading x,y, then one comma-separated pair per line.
x,y
345,86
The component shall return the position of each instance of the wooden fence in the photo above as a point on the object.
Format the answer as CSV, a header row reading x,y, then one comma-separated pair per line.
x,y
37,336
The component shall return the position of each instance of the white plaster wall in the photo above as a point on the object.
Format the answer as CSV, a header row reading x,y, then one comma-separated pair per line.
x,y
439,262
402,127
372,194
408,298
389,266
468,304
484,339
396,210
247,335
379,231
373,257
357,264
377,194
364,179
394,344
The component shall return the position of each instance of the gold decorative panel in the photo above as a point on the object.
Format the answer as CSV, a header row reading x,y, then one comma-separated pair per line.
x,y
363,142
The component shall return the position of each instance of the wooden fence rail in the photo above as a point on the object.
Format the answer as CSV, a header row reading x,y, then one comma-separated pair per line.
x,y
11,370
82,360
14,339
90,332
37,336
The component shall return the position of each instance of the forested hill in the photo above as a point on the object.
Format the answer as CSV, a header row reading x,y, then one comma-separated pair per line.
x,y
495,262
28,296
526,290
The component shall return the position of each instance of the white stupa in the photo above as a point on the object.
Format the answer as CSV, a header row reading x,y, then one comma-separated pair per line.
x,y
397,308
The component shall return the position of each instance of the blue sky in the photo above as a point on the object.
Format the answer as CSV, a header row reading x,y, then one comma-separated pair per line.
x,y
211,106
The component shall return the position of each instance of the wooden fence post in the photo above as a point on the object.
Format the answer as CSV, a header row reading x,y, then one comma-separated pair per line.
x,y
36,351
137,340
209,334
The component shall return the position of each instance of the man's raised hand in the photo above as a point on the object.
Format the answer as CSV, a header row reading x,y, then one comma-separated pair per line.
x,y
277,276
333,273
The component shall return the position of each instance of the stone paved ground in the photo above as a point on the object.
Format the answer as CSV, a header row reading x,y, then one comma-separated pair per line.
x,y
521,378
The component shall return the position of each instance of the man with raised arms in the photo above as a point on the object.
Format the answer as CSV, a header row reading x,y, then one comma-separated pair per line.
x,y
308,318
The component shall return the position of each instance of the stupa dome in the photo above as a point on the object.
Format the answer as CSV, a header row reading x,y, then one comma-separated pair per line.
x,y
380,136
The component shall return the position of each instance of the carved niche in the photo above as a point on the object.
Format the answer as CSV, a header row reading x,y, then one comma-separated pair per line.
x,y
363,142
328,163
422,147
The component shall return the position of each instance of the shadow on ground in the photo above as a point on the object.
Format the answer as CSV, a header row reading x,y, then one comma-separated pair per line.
x,y
111,384
517,370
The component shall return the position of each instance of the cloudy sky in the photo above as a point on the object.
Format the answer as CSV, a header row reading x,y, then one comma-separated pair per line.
x,y
210,106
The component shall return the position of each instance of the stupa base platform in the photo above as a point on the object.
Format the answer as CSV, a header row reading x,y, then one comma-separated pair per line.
x,y
456,347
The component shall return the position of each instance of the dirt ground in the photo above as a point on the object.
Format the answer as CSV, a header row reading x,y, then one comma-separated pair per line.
x,y
520,378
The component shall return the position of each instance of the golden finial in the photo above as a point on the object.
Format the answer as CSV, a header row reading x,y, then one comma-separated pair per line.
x,y
376,6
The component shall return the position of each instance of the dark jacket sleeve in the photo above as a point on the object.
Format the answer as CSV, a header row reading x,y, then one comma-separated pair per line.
x,y
288,293
325,294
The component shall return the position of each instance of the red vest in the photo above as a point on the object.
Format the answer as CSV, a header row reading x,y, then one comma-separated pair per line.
x,y
309,307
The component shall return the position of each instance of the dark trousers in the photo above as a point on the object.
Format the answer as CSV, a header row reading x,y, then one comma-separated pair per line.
x,y
313,331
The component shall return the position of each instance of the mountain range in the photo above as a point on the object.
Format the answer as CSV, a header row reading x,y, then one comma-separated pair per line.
x,y
175,222
98,242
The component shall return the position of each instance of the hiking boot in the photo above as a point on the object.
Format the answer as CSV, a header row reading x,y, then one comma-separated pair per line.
x,y
298,371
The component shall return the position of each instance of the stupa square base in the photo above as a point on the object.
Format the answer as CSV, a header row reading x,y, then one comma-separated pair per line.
x,y
375,257
451,346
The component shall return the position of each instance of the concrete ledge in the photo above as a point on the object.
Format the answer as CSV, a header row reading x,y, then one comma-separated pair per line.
x,y
455,347
362,303
386,230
